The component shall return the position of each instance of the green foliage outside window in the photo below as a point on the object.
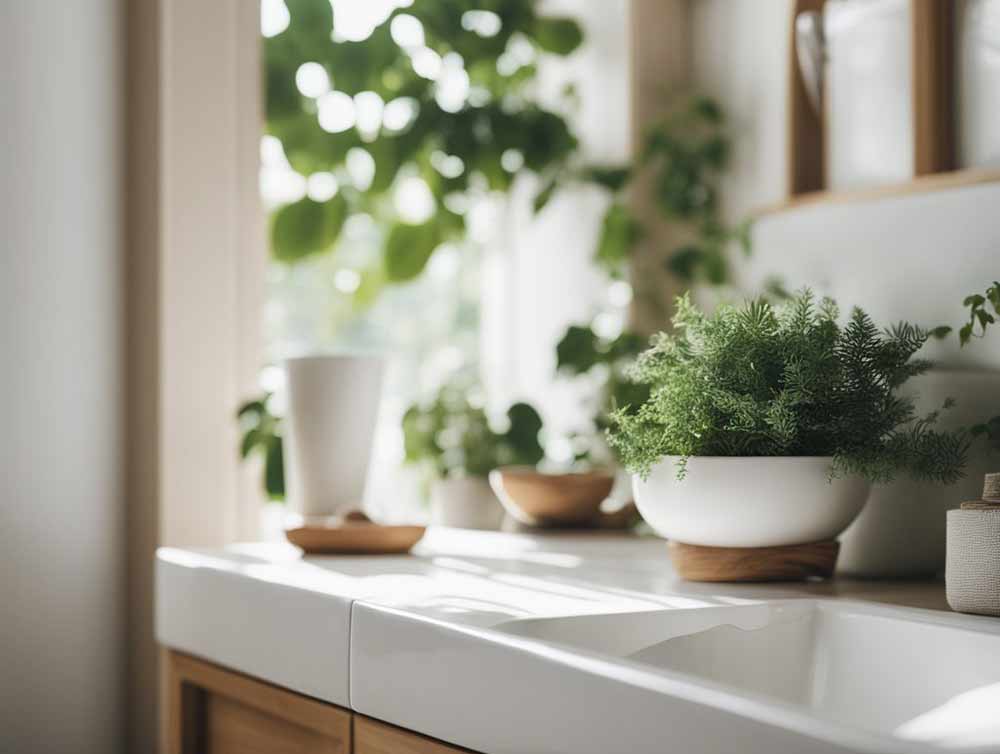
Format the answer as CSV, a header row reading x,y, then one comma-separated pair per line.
x,y
478,143
761,380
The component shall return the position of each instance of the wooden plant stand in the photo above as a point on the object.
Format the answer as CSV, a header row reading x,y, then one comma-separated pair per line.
x,y
784,563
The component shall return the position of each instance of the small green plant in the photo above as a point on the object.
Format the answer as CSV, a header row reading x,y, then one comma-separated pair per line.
x,y
262,434
978,315
452,435
766,380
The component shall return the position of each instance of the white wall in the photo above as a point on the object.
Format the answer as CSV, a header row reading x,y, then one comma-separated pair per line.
x,y
913,257
739,54
61,514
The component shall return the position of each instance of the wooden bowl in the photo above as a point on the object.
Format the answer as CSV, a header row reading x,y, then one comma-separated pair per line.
x,y
538,499
353,534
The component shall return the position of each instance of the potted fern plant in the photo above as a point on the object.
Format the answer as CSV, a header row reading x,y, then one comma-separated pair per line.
x,y
453,440
766,423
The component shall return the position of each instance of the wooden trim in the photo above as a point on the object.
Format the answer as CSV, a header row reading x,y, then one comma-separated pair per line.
x,y
933,74
920,185
195,278
660,69
806,156
375,737
192,683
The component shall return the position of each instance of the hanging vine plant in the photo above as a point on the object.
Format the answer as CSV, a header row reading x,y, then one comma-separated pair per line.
x,y
440,90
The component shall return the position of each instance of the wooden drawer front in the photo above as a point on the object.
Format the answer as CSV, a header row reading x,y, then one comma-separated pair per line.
x,y
217,711
234,728
374,737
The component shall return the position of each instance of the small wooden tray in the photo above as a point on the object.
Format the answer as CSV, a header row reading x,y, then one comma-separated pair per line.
x,y
785,563
355,539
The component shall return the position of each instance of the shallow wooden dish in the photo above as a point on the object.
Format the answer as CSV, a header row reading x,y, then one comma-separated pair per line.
x,y
355,539
784,563
538,499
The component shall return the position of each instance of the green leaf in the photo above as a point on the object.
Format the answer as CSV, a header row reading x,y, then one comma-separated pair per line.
x,y
993,294
775,288
715,267
255,408
576,351
743,233
251,439
525,424
274,470
306,227
686,261
975,301
707,109
626,345
940,332
372,282
542,197
965,333
619,233
407,250
611,178
715,151
558,35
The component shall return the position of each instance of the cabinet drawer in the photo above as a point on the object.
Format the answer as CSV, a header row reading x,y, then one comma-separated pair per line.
x,y
374,737
217,711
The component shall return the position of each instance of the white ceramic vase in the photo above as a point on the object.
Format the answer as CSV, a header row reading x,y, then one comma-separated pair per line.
x,y
332,408
465,503
748,501
901,531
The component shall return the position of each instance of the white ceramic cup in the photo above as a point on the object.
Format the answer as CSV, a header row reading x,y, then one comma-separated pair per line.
x,y
329,426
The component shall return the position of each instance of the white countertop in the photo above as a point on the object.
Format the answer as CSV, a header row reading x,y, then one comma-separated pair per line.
x,y
337,628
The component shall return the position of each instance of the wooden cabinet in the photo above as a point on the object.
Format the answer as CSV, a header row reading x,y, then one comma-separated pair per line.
x,y
374,737
211,710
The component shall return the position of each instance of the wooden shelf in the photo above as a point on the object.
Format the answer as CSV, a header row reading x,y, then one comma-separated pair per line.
x,y
919,185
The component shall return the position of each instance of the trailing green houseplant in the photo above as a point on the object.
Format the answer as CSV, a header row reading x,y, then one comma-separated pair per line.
x,y
980,317
683,156
766,380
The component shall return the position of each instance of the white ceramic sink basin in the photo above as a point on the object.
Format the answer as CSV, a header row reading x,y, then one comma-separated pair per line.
x,y
913,676
779,677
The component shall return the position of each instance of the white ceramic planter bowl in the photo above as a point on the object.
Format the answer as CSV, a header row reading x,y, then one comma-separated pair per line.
x,y
748,502
465,503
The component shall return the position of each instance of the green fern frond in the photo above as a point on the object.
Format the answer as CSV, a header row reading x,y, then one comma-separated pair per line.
x,y
766,381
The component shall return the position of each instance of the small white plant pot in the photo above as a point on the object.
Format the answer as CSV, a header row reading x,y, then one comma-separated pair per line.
x,y
972,572
748,501
329,427
465,503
